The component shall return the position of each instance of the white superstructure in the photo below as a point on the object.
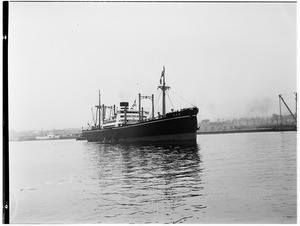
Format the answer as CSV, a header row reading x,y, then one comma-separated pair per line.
x,y
47,137
123,116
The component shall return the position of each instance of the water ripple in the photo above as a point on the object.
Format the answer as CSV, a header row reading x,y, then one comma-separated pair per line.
x,y
229,178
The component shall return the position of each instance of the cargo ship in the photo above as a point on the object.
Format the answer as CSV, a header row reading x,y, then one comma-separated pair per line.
x,y
130,125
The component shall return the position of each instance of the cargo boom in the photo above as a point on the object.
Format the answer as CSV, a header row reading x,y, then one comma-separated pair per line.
x,y
128,125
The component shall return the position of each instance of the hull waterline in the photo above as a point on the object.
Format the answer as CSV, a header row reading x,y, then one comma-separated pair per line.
x,y
180,128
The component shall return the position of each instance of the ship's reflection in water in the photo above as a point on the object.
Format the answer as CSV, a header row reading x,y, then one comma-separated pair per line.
x,y
234,178
147,183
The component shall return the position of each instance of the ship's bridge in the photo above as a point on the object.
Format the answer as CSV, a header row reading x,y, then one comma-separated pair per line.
x,y
126,115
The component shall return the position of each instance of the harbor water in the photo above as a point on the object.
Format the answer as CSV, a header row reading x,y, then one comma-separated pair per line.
x,y
225,178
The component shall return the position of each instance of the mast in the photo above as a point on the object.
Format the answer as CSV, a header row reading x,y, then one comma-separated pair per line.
x,y
139,107
152,99
99,109
163,88
280,111
103,112
125,113
296,104
141,111
164,93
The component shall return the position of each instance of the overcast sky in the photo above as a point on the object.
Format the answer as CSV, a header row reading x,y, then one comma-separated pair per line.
x,y
230,59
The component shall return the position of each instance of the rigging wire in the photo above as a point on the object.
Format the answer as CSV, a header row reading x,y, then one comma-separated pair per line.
x,y
157,96
170,100
183,99
177,106
159,105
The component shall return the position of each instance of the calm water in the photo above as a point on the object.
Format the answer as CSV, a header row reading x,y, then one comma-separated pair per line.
x,y
227,178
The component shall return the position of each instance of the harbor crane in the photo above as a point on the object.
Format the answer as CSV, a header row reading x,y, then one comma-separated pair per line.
x,y
293,115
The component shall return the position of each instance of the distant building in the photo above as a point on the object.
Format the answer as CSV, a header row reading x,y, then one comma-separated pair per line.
x,y
247,123
207,126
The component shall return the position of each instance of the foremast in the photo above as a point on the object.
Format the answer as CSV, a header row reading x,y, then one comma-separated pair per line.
x,y
99,109
164,88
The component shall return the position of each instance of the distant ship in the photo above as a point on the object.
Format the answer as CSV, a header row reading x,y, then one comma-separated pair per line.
x,y
128,125
48,137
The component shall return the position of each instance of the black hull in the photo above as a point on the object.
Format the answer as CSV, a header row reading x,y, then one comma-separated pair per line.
x,y
176,127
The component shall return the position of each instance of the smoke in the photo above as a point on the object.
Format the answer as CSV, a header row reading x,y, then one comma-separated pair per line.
x,y
259,107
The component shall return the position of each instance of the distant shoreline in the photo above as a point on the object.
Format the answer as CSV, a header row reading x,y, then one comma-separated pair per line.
x,y
34,139
275,129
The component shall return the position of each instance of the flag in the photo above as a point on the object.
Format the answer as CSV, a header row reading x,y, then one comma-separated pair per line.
x,y
134,103
162,74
